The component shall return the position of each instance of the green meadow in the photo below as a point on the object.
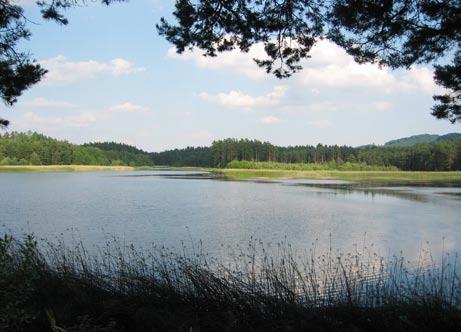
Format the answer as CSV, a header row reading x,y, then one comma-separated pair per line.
x,y
356,176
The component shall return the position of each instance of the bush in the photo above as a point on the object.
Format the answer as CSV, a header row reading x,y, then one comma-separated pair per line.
x,y
5,161
23,161
9,161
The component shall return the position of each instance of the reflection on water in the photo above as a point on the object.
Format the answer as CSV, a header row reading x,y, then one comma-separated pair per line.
x,y
418,193
168,207
345,189
168,173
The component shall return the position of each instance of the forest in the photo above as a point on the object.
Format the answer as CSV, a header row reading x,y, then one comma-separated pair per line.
x,y
436,156
37,149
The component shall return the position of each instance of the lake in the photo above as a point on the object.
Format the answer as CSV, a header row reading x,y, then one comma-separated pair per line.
x,y
170,208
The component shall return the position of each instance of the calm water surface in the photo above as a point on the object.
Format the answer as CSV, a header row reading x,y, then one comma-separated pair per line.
x,y
145,207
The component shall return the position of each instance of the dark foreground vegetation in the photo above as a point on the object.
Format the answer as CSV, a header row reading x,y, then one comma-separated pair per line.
x,y
57,288
440,154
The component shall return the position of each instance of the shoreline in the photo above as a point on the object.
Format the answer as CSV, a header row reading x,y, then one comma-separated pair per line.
x,y
61,168
262,174
353,176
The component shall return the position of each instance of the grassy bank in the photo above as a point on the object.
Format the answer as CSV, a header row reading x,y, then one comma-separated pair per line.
x,y
327,166
57,288
62,168
362,176
356,176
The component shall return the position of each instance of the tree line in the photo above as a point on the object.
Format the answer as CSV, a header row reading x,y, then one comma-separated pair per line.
x,y
37,149
436,156
190,156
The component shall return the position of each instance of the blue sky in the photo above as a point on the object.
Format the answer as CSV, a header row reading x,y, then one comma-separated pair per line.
x,y
112,78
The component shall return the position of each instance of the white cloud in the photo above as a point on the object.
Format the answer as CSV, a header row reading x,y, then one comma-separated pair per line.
x,y
122,66
128,108
185,114
269,119
420,78
382,105
321,124
84,119
34,121
352,75
329,66
230,99
202,136
42,102
237,99
315,92
235,61
62,70
321,106
340,106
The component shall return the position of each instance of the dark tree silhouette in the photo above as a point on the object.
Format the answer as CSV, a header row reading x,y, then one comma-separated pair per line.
x,y
395,33
449,76
17,72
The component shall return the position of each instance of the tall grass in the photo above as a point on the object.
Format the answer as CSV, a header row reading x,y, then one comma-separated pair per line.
x,y
343,166
123,289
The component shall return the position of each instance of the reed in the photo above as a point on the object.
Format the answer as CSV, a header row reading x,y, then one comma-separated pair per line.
x,y
257,288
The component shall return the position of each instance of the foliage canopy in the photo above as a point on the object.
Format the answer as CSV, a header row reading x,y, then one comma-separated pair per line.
x,y
394,33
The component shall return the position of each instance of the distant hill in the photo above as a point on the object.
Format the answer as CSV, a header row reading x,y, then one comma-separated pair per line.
x,y
420,139
449,137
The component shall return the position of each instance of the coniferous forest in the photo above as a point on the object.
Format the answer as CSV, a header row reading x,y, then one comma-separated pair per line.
x,y
37,149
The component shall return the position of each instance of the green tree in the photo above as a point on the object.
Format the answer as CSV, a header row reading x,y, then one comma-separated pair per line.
x,y
34,159
56,158
23,161
5,161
